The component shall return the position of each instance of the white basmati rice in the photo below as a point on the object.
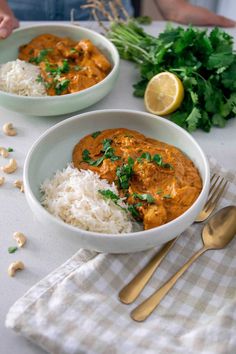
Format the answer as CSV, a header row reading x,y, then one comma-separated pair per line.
x,y
72,195
20,78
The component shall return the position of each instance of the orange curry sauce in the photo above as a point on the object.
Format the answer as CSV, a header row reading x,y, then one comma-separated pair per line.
x,y
66,66
159,181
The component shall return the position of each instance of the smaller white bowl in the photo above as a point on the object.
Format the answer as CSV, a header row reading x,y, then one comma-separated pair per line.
x,y
57,105
53,151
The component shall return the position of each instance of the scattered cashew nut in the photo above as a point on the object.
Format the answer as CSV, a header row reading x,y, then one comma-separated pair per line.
x,y
8,129
4,152
14,266
2,180
20,238
19,184
10,167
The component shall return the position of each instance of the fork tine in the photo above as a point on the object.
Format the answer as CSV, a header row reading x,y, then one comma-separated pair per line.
x,y
215,189
213,184
211,203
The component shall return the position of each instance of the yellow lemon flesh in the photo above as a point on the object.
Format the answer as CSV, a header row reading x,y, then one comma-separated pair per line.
x,y
164,94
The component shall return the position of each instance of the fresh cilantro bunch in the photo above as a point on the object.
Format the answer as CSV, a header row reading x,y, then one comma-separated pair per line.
x,y
204,61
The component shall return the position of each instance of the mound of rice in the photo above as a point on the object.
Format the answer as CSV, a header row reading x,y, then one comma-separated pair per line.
x,y
72,195
20,77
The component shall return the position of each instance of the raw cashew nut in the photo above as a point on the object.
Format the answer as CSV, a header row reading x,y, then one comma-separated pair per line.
x,y
10,167
20,238
19,184
4,152
2,180
8,129
13,267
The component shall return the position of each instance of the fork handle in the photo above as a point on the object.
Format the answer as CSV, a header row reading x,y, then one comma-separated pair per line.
x,y
132,290
141,312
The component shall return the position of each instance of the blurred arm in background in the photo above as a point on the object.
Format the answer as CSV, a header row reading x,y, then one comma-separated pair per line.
x,y
7,20
184,12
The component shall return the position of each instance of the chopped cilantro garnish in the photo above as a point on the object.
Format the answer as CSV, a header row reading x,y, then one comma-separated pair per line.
x,y
124,173
109,151
108,194
95,134
108,154
56,70
39,79
145,196
73,50
159,191
10,149
86,155
61,86
156,158
86,158
64,68
132,208
12,249
167,165
42,54
167,196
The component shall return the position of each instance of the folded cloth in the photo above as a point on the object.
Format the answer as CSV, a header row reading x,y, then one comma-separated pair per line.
x,y
76,309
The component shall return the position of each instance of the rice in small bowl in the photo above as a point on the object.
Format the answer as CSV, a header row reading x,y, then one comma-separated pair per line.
x,y
21,78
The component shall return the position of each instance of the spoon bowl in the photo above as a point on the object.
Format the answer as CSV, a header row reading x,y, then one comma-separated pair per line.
x,y
220,229
216,234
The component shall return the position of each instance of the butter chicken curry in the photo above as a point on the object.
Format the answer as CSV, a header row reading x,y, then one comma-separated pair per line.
x,y
66,66
158,180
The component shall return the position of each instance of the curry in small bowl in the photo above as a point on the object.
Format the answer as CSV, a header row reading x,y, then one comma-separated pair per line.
x,y
66,66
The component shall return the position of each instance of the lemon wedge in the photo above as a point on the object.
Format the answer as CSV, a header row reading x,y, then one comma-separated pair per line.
x,y
164,94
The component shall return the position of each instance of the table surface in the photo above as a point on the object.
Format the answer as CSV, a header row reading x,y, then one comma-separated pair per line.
x,y
44,252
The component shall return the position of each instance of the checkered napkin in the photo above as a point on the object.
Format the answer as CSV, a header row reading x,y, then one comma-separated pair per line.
x,y
75,309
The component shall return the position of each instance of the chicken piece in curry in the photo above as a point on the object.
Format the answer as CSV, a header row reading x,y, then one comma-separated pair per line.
x,y
66,66
158,180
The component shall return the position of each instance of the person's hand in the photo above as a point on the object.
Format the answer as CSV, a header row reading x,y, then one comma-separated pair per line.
x,y
183,12
7,23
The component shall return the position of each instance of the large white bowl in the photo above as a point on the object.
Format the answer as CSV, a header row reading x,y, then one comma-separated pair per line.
x,y
53,151
57,105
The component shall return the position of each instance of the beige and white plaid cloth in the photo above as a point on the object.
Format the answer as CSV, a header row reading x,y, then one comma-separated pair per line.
x,y
75,310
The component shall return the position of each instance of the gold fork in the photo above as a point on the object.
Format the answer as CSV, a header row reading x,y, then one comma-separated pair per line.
x,y
132,290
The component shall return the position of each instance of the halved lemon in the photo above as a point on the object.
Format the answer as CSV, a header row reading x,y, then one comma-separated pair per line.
x,y
164,93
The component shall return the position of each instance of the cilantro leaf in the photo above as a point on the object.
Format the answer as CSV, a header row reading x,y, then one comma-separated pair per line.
x,y
108,194
218,120
132,208
12,249
145,196
193,119
217,60
124,173
95,134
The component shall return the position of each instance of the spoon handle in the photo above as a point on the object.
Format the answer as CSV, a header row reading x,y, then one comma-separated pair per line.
x,y
132,290
141,312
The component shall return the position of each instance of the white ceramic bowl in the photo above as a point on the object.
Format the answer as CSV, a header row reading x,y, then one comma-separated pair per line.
x,y
53,150
57,105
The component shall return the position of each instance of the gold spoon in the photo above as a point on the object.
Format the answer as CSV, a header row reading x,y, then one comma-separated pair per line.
x,y
216,234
